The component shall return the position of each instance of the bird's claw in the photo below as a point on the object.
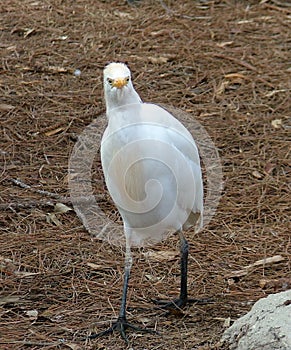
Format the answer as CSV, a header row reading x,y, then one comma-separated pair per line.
x,y
175,306
121,325
172,307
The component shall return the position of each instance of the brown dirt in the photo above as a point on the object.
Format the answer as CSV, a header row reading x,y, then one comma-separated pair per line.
x,y
227,63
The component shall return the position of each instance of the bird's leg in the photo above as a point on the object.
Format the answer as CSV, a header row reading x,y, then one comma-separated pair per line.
x,y
121,323
179,303
127,268
182,300
184,251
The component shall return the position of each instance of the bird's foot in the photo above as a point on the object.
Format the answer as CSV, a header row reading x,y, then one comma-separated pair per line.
x,y
172,307
175,306
121,325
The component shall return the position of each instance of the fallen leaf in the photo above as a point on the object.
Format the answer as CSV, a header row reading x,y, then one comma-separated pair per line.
x,y
236,76
257,174
159,32
28,31
31,82
11,48
225,43
157,60
97,266
245,21
221,88
152,278
51,218
123,14
32,314
6,107
56,69
61,208
73,346
276,123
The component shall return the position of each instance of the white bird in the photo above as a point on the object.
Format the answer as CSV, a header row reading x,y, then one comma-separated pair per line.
x,y
152,171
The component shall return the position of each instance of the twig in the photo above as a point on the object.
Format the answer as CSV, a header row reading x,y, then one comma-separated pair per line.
x,y
245,270
23,204
42,192
277,8
55,343
280,3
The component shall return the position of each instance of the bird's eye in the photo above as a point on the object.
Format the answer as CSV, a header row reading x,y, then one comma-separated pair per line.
x,y
110,81
127,79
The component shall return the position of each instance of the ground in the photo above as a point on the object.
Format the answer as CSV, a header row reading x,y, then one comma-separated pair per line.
x,y
227,64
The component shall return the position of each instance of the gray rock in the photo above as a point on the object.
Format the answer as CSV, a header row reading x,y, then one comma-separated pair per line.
x,y
266,327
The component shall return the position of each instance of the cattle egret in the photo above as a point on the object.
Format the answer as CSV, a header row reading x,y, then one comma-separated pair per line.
x,y
152,171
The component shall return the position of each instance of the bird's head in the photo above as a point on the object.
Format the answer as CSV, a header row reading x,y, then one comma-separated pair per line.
x,y
118,86
116,76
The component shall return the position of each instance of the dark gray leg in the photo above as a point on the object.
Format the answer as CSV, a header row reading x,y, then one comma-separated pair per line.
x,y
127,268
184,250
121,323
183,299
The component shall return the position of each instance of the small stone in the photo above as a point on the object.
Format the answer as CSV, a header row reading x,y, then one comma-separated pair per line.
x,y
77,73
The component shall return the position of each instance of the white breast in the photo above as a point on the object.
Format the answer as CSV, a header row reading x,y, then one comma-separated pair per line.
x,y
152,170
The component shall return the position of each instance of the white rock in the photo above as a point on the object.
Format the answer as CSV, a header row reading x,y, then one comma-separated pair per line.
x,y
266,327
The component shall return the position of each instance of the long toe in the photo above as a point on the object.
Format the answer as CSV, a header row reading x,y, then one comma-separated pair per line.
x,y
175,306
121,325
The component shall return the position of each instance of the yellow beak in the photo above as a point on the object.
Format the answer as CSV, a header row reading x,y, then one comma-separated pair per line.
x,y
119,83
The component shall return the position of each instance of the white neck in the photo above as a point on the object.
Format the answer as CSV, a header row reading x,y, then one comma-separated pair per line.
x,y
121,97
